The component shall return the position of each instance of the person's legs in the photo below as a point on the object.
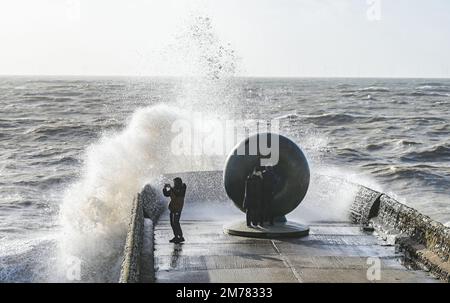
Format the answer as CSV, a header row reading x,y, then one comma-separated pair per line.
x,y
261,218
254,217
271,221
248,218
268,213
176,219
172,224
261,215
251,216
269,216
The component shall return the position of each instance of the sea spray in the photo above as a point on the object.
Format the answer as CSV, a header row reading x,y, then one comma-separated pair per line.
x,y
95,209
332,191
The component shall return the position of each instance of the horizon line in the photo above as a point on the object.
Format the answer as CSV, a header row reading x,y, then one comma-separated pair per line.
x,y
237,76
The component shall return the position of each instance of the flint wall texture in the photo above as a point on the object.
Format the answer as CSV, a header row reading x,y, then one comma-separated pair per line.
x,y
426,243
131,260
365,205
145,205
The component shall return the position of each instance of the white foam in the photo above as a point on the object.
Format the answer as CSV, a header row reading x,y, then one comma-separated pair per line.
x,y
95,209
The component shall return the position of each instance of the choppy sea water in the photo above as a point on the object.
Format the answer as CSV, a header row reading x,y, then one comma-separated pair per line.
x,y
393,133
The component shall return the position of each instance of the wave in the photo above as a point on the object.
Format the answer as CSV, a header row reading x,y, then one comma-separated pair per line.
x,y
47,182
28,260
68,94
37,97
416,119
344,86
374,89
344,118
95,209
324,119
375,147
62,99
408,143
67,161
443,128
444,89
421,94
291,116
332,118
434,84
353,155
348,94
440,153
424,173
428,94
43,132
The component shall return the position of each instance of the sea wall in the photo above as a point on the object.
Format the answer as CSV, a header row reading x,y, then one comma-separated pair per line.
x,y
129,272
146,205
425,242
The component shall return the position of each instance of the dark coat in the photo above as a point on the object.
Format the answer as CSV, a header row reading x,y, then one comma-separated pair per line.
x,y
176,195
268,186
253,192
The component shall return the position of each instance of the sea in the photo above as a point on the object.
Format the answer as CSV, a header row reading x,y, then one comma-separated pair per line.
x,y
74,151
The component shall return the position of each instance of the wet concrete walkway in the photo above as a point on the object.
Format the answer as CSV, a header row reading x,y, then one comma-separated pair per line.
x,y
333,252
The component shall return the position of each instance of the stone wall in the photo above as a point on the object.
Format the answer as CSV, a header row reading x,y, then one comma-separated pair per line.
x,y
425,242
129,272
146,204
365,205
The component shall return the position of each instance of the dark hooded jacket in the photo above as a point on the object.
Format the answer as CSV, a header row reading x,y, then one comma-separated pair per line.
x,y
268,186
253,192
176,194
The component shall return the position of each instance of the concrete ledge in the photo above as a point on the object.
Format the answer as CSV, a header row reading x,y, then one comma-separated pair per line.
x,y
139,241
131,260
365,205
426,243
419,228
147,270
417,256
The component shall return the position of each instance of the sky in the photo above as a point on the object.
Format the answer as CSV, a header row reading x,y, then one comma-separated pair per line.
x,y
271,38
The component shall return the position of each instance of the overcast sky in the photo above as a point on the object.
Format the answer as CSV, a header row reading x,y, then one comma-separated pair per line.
x,y
328,38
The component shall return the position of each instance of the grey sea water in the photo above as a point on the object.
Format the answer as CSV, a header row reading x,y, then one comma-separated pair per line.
x,y
393,132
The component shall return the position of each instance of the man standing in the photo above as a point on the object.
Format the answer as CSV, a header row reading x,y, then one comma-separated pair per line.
x,y
176,194
269,182
252,198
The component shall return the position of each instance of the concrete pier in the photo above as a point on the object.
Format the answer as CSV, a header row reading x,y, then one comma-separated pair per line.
x,y
333,252
379,233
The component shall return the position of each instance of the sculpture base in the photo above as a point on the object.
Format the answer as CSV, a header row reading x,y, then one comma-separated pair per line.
x,y
278,230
